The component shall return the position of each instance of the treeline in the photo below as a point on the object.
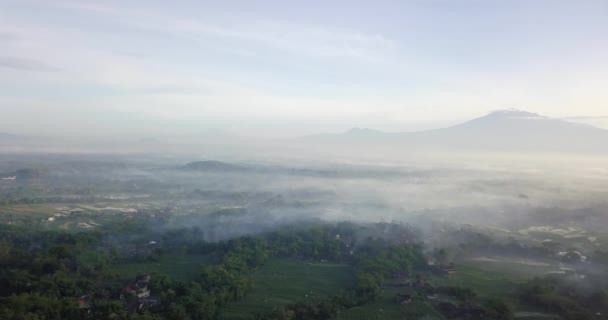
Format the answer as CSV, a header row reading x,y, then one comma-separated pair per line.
x,y
41,272
44,273
218,284
305,239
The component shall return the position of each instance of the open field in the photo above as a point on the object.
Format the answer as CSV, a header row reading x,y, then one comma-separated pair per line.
x,y
492,279
281,281
484,282
28,210
513,267
487,278
387,307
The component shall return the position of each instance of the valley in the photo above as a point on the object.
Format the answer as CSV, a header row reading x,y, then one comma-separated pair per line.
x,y
262,241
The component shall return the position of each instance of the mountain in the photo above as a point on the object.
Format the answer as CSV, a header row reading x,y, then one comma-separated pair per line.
x,y
500,130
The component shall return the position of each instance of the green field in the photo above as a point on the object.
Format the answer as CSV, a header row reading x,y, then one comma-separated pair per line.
x,y
497,280
388,308
487,279
39,211
484,282
177,267
284,281
378,310
516,268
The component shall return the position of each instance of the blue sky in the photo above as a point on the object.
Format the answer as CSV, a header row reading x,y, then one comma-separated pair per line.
x,y
294,67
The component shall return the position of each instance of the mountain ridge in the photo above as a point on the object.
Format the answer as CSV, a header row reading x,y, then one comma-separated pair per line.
x,y
498,130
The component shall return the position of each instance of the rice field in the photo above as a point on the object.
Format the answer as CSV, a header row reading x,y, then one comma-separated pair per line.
x,y
285,281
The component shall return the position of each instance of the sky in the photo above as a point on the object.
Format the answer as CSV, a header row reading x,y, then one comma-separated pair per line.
x,y
288,68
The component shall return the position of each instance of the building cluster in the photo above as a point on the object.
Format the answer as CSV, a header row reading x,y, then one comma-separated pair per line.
x,y
138,295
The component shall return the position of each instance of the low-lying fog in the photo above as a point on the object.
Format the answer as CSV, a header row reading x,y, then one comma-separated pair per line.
x,y
483,207
485,190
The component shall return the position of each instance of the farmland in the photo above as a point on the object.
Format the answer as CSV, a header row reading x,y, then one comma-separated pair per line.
x,y
285,281
387,307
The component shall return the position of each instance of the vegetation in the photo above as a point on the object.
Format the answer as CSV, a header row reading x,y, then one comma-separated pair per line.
x,y
42,268
74,249
282,282
181,267
569,296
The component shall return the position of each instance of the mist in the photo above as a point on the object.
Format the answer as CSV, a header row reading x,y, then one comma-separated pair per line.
x,y
286,160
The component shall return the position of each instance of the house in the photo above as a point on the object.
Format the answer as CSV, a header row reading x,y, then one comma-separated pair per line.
x,y
138,295
449,268
150,301
84,302
143,292
404,299
421,284
572,256
142,287
138,289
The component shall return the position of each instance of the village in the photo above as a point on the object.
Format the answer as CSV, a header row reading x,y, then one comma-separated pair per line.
x,y
136,295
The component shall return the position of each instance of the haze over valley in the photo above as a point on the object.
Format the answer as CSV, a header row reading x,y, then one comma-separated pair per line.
x,y
280,160
527,203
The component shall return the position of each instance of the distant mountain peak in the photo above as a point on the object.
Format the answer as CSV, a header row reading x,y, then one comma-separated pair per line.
x,y
500,130
357,130
515,113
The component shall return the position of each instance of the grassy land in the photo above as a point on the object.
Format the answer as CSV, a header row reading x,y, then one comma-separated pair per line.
x,y
284,281
384,308
497,280
387,307
488,279
177,267
516,268
486,283
38,211
287,281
